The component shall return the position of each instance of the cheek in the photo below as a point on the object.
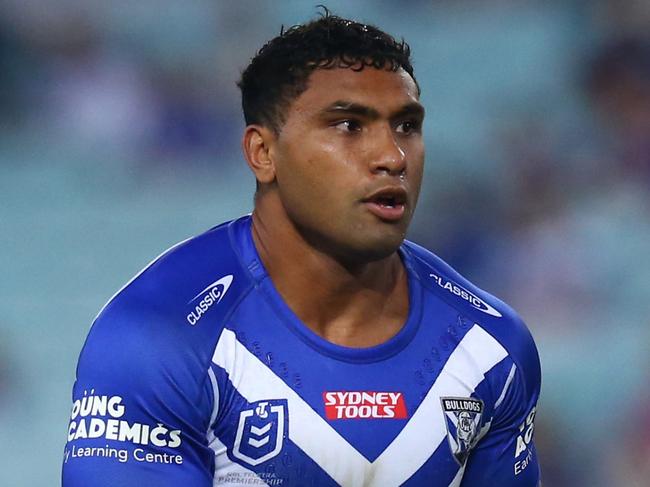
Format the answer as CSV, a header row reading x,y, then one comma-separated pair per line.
x,y
417,160
317,170
417,177
303,185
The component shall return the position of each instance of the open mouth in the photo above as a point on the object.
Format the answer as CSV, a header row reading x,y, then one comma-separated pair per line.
x,y
388,201
387,204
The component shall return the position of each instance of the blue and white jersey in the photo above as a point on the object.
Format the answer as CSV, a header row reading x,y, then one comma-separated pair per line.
x,y
198,373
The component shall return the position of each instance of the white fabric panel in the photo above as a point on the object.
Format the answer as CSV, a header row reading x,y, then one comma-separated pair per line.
x,y
466,367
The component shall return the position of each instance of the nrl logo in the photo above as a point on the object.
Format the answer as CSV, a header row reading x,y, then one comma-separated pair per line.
x,y
462,418
261,431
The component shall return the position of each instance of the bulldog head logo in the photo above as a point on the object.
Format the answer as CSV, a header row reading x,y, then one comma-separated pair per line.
x,y
462,418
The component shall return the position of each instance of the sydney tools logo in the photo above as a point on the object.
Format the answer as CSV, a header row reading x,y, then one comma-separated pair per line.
x,y
363,405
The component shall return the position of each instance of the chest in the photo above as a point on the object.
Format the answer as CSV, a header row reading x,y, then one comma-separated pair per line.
x,y
289,414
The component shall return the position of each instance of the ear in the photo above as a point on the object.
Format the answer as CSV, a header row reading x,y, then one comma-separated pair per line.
x,y
257,145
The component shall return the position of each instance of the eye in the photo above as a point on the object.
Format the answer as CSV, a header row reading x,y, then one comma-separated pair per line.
x,y
348,125
408,127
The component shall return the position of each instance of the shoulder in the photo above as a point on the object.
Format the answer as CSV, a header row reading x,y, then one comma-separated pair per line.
x,y
143,374
493,315
168,317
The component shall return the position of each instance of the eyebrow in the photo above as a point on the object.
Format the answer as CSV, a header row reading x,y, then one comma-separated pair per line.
x,y
348,107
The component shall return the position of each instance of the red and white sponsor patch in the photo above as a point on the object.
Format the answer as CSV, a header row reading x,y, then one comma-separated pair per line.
x,y
364,405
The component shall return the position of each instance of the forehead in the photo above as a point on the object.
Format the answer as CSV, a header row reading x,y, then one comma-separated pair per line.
x,y
380,89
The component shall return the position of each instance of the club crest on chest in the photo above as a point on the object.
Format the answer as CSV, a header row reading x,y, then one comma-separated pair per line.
x,y
462,419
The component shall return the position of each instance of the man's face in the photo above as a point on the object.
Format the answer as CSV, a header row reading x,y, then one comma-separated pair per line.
x,y
349,161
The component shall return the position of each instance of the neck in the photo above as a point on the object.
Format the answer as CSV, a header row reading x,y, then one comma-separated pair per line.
x,y
352,304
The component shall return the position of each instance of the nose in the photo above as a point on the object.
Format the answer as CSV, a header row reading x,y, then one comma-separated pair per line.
x,y
388,156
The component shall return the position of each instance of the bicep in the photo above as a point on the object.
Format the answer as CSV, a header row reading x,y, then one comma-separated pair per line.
x,y
133,421
506,455
506,458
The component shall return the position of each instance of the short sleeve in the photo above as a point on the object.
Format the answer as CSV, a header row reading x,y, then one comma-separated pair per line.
x,y
140,405
506,455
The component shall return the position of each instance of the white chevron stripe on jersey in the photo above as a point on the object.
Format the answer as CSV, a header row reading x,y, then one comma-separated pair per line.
x,y
307,429
230,473
502,396
459,476
466,367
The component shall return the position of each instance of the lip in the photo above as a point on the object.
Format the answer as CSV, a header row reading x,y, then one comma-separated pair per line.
x,y
387,203
386,213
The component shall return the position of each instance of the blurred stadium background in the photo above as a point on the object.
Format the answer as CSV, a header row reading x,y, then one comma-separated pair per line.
x,y
119,136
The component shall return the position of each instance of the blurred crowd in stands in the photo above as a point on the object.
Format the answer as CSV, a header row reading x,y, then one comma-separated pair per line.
x,y
538,177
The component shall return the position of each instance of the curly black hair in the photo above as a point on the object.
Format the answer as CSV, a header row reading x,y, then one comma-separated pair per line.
x,y
280,70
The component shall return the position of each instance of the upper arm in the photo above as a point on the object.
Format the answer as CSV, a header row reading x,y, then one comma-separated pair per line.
x,y
506,455
140,407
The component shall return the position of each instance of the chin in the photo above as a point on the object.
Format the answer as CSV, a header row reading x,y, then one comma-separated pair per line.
x,y
377,247
358,245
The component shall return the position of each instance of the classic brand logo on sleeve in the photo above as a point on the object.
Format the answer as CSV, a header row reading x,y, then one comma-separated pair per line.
x,y
463,293
209,296
364,405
